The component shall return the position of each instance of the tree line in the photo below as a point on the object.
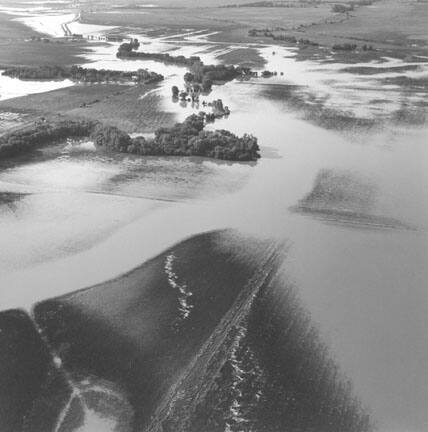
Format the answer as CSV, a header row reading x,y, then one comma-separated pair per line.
x,y
183,139
41,133
271,33
127,50
199,74
78,73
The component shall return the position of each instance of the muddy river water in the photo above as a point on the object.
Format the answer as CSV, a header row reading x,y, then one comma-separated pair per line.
x,y
79,218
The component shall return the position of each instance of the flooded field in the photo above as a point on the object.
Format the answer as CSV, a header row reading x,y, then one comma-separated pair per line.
x,y
74,217
11,87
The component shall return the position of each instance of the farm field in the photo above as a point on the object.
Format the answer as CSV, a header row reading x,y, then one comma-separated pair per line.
x,y
243,56
233,23
17,49
115,104
388,23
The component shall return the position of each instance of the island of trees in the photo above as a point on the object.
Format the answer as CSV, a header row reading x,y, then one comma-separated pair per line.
x,y
183,139
77,73
199,74
127,50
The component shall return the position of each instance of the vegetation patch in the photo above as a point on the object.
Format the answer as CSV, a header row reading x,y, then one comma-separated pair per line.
x,y
80,74
183,139
248,57
133,108
314,109
277,34
409,82
205,75
346,198
373,70
42,133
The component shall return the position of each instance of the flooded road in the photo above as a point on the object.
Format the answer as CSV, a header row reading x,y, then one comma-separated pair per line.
x,y
81,218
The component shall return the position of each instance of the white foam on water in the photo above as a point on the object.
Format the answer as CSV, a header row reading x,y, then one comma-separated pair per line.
x,y
184,294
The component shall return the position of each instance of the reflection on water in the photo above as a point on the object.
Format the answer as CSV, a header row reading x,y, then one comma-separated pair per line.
x,y
90,217
71,198
13,87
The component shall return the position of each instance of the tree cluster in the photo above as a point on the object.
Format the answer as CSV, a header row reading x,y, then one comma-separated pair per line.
x,y
126,50
183,139
77,73
344,47
342,8
281,37
42,133
205,75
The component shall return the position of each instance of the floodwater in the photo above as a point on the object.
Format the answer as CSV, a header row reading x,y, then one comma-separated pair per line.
x,y
80,218
13,87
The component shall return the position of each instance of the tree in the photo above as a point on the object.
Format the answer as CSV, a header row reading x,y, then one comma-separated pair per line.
x,y
197,88
189,77
207,85
110,137
175,91
135,44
